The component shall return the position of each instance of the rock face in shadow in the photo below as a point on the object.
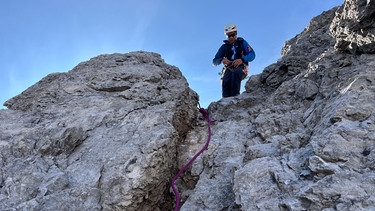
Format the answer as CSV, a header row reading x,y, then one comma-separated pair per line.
x,y
354,27
111,133
102,136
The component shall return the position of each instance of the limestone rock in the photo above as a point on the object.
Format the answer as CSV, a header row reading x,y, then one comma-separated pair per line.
x,y
354,27
111,133
302,135
102,136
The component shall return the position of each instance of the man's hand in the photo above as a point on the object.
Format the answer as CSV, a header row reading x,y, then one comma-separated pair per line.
x,y
225,61
237,63
246,70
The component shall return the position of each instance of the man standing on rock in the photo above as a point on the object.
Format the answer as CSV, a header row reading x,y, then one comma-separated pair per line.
x,y
235,54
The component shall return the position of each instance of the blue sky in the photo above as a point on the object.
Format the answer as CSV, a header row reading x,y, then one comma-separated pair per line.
x,y
40,37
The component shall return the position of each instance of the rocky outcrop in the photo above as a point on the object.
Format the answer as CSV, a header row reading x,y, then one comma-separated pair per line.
x,y
102,136
354,27
111,133
302,136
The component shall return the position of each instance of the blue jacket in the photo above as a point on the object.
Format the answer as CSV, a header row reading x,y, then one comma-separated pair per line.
x,y
242,48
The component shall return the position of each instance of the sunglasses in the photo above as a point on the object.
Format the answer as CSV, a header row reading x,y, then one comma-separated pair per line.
x,y
231,35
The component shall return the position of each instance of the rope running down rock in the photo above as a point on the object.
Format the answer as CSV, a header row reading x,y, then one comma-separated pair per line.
x,y
206,117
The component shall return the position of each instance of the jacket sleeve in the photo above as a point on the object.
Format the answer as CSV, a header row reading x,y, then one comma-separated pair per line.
x,y
219,56
249,52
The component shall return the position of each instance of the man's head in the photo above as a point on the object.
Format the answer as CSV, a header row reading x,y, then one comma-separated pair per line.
x,y
230,30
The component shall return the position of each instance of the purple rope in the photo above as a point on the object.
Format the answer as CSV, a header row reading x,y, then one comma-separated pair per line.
x,y
205,116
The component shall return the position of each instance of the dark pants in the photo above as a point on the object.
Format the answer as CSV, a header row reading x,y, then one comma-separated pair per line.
x,y
231,83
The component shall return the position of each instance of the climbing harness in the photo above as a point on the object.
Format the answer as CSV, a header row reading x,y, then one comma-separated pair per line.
x,y
232,68
209,121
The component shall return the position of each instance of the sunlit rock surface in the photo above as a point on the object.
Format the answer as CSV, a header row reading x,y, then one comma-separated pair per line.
x,y
111,133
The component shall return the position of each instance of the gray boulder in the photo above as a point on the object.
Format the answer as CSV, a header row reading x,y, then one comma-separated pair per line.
x,y
102,136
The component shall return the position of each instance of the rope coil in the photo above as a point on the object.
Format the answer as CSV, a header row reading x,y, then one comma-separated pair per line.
x,y
206,117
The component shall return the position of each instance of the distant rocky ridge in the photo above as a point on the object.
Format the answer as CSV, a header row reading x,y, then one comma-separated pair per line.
x,y
111,133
